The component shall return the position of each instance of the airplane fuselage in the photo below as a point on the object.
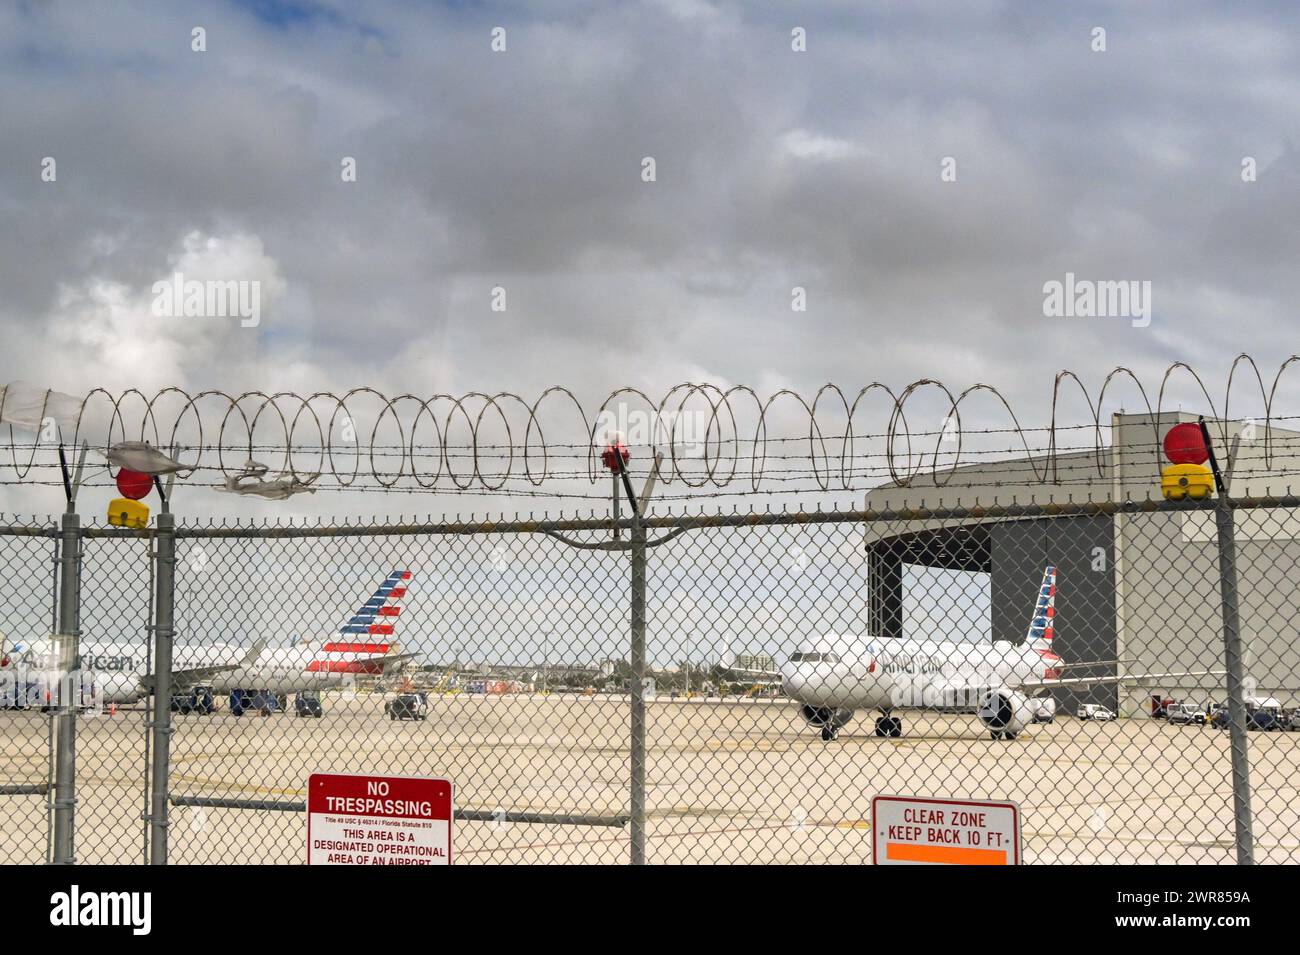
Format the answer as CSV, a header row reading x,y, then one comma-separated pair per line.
x,y
122,672
888,674
119,672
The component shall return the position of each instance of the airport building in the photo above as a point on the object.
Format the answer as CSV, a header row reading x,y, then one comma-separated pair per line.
x,y
1138,590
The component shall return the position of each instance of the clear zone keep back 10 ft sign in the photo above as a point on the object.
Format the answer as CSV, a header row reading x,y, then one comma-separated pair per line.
x,y
378,820
917,830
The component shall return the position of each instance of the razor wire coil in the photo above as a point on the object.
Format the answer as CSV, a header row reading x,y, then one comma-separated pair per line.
x,y
366,440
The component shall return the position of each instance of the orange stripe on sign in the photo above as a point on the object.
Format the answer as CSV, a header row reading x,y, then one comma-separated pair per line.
x,y
950,855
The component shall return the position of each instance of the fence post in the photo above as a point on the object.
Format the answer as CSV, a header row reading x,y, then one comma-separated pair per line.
x,y
1236,690
164,597
65,749
637,747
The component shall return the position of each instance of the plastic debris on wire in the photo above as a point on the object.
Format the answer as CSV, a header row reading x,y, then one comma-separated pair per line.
x,y
252,481
31,408
144,458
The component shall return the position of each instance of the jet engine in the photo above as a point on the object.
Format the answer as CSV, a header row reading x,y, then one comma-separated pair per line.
x,y
1005,713
825,716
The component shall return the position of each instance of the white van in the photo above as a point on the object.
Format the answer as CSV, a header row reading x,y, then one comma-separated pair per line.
x,y
1185,713
1095,711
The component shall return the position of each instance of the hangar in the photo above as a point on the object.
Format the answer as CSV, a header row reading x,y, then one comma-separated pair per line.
x,y
1138,588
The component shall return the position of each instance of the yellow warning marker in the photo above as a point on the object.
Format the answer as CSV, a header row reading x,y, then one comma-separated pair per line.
x,y
124,512
1178,481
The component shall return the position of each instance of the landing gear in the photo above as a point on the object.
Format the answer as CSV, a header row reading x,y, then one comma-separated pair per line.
x,y
827,719
890,726
1003,735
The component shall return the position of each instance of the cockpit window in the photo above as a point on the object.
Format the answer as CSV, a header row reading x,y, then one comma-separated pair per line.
x,y
814,658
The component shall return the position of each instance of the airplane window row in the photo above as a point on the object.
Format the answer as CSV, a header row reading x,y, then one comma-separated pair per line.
x,y
814,658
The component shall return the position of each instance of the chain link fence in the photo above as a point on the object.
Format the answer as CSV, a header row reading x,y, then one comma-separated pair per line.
x,y
30,553
724,688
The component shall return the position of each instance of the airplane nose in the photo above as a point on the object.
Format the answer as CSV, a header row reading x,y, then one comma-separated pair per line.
x,y
791,682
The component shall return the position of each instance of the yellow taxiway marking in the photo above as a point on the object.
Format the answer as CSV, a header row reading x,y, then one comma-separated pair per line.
x,y
227,785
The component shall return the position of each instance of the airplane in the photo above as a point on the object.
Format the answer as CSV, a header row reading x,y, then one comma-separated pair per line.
x,y
833,676
119,673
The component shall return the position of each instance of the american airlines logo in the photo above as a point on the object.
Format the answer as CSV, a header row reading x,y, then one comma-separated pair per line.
x,y
915,664
78,907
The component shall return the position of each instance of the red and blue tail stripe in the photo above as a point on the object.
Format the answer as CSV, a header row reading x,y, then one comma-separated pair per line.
x,y
363,621
1042,627
355,654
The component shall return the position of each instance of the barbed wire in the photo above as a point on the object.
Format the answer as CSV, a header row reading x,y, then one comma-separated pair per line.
x,y
711,438
986,476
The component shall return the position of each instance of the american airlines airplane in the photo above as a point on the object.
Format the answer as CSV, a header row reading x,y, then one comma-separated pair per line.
x,y
835,675
118,673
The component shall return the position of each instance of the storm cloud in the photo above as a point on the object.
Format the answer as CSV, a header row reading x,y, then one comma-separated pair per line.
x,y
522,169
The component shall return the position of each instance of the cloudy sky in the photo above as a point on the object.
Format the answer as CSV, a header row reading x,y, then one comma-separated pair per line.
x,y
920,170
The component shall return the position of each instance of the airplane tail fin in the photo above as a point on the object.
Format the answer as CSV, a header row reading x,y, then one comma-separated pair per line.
x,y
1042,626
366,639
376,616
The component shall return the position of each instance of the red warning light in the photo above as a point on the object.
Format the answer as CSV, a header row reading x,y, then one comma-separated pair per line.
x,y
615,456
133,484
1185,444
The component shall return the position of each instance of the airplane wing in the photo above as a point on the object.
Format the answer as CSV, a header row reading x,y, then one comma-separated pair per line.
x,y
385,664
193,676
188,677
1123,678
254,652
183,680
